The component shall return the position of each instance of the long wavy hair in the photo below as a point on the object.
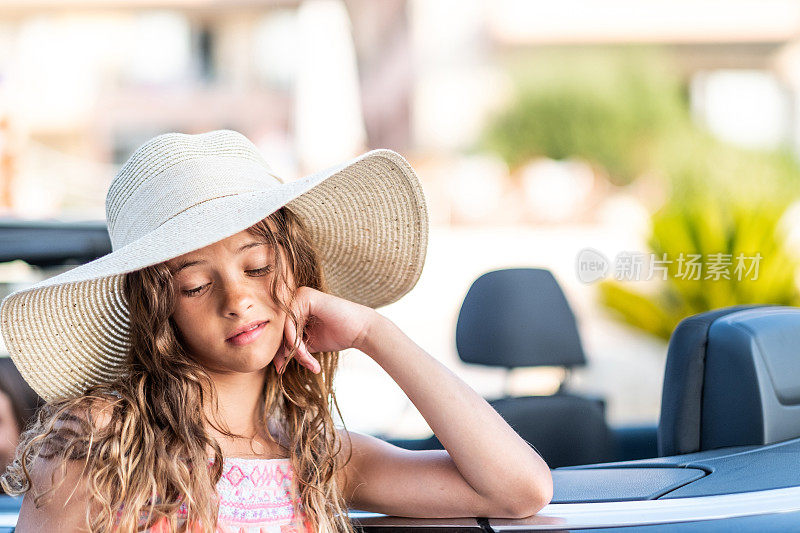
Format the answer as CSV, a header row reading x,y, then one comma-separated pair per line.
x,y
143,439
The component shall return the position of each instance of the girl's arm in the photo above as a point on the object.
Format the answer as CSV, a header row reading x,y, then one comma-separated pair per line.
x,y
65,510
486,469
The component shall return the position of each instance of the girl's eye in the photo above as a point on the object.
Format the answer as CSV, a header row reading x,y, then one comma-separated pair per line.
x,y
260,271
255,272
192,292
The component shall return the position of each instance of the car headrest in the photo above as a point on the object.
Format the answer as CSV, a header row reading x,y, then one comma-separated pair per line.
x,y
518,317
732,378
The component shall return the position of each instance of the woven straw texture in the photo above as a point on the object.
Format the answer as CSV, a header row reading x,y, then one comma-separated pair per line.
x,y
178,193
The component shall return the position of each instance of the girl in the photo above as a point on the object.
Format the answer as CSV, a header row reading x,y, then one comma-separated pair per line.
x,y
189,373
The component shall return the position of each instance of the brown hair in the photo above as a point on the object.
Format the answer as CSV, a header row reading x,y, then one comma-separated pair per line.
x,y
130,433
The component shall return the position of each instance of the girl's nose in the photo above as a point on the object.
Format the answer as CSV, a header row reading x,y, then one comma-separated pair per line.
x,y
236,299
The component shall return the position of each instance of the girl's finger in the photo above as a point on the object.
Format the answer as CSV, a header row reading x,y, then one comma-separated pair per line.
x,y
304,357
309,360
282,357
290,338
289,333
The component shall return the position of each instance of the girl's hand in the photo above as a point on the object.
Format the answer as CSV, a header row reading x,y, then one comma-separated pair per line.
x,y
329,322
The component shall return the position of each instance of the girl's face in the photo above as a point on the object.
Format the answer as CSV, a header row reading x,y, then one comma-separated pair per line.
x,y
221,289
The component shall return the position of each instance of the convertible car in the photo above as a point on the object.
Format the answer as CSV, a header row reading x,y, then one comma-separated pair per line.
x,y
725,453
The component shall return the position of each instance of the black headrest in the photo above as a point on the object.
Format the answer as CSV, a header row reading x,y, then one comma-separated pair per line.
x,y
517,317
732,378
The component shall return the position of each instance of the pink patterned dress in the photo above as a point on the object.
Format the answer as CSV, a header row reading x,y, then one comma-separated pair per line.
x,y
256,496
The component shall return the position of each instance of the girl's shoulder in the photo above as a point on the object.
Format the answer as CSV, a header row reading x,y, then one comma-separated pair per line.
x,y
93,412
58,443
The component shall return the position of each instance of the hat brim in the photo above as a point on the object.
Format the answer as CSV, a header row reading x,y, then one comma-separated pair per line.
x,y
366,217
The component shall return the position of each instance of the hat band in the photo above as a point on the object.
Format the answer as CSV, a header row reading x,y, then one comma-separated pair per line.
x,y
165,195
199,203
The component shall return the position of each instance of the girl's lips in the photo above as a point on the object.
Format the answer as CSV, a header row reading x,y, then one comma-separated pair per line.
x,y
248,336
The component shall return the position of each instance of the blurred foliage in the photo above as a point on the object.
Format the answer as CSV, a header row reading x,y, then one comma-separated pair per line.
x,y
611,109
707,225
626,112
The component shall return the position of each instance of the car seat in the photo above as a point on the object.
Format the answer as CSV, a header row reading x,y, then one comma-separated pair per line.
x,y
732,378
520,317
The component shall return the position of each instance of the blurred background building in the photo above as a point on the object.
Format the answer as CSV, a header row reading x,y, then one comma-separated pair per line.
x,y
538,130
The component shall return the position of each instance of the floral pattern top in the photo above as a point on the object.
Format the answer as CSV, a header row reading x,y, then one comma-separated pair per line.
x,y
256,496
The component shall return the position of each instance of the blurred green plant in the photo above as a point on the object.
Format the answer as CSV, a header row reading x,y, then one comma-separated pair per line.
x,y
608,108
755,258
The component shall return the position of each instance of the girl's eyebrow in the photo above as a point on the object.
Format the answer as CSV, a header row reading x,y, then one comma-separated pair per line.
x,y
186,263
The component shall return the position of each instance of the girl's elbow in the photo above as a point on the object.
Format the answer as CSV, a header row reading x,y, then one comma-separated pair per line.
x,y
545,491
531,497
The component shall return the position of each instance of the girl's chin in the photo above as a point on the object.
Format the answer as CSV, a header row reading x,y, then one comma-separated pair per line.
x,y
241,365
243,369
253,357
253,365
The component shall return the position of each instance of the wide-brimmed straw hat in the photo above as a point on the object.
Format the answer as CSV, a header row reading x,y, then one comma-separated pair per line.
x,y
177,193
